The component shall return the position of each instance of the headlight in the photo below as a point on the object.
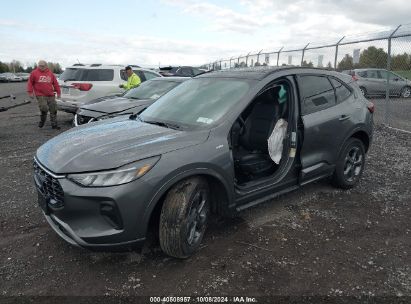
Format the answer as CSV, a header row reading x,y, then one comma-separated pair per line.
x,y
119,176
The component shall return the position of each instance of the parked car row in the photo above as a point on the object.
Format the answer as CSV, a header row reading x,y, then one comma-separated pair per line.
x,y
14,77
83,83
200,150
374,82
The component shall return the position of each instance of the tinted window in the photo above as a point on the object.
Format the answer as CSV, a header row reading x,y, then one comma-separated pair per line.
x,y
198,102
185,72
341,91
362,74
151,89
141,75
383,75
372,74
79,74
123,75
69,74
149,75
196,71
317,92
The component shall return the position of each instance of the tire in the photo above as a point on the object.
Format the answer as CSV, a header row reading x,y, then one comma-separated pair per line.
x,y
184,216
406,92
350,164
363,91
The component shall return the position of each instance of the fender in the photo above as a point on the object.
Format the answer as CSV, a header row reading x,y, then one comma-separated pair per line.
x,y
359,128
180,175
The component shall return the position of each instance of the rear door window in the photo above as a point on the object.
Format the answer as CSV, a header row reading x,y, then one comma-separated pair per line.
x,y
81,74
317,93
341,91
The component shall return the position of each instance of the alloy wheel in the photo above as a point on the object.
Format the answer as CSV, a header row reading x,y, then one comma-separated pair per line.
x,y
353,164
197,217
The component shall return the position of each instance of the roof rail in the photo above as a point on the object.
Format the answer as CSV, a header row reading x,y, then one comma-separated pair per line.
x,y
95,64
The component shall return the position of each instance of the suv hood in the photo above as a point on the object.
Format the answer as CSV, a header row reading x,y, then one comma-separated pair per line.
x,y
114,105
111,144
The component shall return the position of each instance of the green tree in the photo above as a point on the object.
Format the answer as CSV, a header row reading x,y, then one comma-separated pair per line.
x,y
307,64
373,58
4,67
346,63
15,66
401,62
329,65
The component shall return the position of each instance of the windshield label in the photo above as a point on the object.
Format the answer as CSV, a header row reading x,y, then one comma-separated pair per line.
x,y
205,120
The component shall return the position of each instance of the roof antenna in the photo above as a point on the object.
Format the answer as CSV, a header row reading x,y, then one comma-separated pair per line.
x,y
78,61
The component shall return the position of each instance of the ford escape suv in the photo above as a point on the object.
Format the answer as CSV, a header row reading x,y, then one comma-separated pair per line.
x,y
201,149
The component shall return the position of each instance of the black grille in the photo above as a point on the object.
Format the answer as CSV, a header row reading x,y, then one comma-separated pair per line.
x,y
49,187
81,119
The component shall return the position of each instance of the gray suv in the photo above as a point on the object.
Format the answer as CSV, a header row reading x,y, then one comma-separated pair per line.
x,y
201,149
374,82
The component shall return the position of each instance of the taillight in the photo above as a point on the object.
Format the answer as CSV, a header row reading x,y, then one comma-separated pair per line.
x,y
371,107
82,86
355,78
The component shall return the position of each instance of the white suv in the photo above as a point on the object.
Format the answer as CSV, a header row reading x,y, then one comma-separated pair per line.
x,y
82,83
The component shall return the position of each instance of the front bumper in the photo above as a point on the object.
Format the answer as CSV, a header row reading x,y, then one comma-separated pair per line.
x,y
94,218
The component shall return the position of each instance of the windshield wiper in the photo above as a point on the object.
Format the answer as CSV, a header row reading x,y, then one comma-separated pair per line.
x,y
69,79
133,97
163,124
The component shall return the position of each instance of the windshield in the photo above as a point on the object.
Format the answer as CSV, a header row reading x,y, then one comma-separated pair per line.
x,y
197,102
151,89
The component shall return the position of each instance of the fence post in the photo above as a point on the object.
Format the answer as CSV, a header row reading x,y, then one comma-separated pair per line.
x,y
278,55
246,59
302,57
258,56
336,52
387,86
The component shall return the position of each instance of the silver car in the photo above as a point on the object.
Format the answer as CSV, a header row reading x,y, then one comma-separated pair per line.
x,y
9,77
374,82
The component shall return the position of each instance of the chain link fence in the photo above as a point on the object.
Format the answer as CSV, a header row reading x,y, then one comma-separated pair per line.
x,y
380,63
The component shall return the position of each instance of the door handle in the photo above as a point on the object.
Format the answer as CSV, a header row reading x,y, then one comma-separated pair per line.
x,y
344,117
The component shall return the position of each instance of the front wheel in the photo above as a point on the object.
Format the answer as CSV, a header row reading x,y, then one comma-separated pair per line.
x,y
350,164
184,217
406,92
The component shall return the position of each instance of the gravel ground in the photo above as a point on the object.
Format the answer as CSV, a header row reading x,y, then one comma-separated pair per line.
x,y
316,241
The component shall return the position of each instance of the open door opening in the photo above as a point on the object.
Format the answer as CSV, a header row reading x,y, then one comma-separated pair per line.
x,y
251,132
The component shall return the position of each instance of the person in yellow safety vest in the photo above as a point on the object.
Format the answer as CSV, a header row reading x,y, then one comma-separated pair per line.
x,y
132,81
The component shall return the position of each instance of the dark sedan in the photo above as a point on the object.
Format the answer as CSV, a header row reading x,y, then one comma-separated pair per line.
x,y
133,101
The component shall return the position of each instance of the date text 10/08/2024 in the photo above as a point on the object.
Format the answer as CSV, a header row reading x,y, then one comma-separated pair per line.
x,y
171,299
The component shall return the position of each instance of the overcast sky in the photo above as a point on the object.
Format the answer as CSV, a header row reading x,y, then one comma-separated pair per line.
x,y
149,33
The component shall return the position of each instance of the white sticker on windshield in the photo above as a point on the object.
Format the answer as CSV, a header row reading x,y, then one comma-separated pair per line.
x,y
205,120
155,96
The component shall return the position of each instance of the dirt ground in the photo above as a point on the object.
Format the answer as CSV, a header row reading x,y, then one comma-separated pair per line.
x,y
316,241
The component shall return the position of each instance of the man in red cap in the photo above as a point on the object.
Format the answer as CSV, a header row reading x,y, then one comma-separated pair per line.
x,y
42,85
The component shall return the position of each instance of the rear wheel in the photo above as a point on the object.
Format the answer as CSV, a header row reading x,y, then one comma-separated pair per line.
x,y
350,164
184,217
406,92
